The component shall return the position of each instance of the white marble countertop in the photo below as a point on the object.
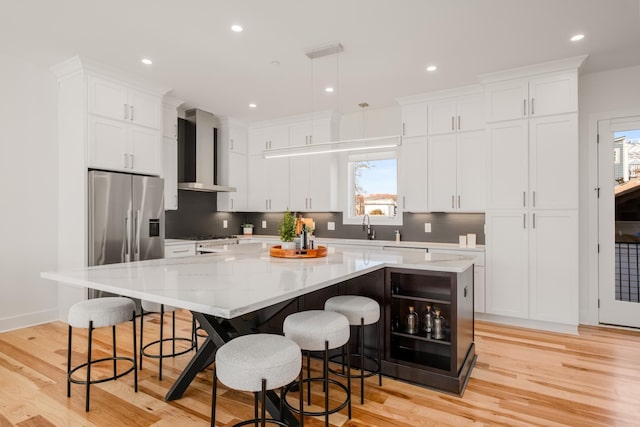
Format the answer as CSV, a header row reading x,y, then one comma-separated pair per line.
x,y
238,282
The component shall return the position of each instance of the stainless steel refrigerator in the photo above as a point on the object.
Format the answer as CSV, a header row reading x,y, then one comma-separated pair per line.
x,y
126,219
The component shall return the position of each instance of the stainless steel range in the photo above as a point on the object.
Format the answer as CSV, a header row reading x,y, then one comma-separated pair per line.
x,y
212,243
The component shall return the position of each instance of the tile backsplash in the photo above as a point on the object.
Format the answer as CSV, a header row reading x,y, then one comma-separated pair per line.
x,y
197,215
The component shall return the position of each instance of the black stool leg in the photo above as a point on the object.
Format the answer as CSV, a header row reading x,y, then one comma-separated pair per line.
x,y
308,376
141,334
115,364
173,333
161,338
349,378
69,363
326,382
301,400
86,405
263,402
379,358
361,360
135,352
213,397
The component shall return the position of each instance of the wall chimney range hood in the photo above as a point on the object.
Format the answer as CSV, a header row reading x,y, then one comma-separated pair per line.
x,y
197,153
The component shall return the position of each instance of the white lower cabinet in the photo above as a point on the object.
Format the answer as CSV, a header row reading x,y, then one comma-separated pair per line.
x,y
532,265
179,250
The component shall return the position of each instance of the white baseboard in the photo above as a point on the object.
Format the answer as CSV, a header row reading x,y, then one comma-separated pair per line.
x,y
26,320
528,323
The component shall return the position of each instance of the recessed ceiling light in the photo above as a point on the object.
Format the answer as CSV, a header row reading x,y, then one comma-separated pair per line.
x,y
236,28
252,105
577,37
147,61
431,68
328,89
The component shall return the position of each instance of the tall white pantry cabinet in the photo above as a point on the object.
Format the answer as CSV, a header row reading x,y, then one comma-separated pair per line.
x,y
107,121
532,186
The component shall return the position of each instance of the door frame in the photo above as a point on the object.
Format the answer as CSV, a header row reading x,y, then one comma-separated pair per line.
x,y
589,271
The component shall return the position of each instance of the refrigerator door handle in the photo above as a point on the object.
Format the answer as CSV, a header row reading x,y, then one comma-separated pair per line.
x,y
127,256
136,235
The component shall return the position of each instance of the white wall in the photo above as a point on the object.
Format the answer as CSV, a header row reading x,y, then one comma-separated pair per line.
x,y
377,122
602,95
28,185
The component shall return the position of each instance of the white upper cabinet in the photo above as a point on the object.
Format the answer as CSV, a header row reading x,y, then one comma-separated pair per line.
x,y
539,96
456,172
170,151
119,101
414,174
414,119
232,167
456,115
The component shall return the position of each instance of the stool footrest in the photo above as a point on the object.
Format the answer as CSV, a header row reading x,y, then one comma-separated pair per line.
x,y
102,380
171,354
354,356
316,413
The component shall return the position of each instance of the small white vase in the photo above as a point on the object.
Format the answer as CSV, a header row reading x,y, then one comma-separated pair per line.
x,y
288,245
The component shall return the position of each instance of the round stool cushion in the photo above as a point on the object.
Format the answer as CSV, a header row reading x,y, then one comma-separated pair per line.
x,y
310,329
154,307
244,361
107,311
355,307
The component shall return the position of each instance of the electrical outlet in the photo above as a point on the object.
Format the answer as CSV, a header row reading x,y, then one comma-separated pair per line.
x,y
225,224
331,226
264,224
427,227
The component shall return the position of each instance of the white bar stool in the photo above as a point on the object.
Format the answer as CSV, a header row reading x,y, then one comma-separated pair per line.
x,y
97,313
153,307
257,363
360,311
319,330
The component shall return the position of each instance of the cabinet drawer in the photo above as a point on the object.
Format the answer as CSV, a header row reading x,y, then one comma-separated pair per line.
x,y
179,251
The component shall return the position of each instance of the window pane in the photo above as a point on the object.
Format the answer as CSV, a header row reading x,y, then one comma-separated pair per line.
x,y
375,187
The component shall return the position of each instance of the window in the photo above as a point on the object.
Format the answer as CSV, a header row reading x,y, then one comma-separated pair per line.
x,y
373,188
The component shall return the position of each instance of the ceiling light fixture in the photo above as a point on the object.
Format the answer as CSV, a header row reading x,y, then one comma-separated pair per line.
x,y
236,28
360,144
577,37
252,105
328,89
431,68
147,61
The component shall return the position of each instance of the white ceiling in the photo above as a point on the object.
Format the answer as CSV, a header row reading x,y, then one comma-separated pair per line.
x,y
387,45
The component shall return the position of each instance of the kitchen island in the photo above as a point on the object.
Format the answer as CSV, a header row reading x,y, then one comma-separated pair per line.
x,y
245,290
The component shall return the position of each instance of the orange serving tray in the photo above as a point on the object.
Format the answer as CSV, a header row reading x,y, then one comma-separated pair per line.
x,y
277,251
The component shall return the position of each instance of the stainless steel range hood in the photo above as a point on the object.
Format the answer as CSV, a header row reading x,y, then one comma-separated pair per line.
x,y
197,153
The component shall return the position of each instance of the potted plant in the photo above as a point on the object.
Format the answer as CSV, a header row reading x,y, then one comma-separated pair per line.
x,y
247,229
287,230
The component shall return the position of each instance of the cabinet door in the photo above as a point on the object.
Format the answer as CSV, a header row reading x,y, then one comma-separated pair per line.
x,y
507,170
478,289
553,275
506,287
300,134
470,113
277,136
145,108
145,151
236,176
471,171
323,183
553,151
278,184
554,94
258,185
506,100
442,117
257,142
169,121
238,140
108,144
108,98
414,174
299,182
442,173
170,173
414,119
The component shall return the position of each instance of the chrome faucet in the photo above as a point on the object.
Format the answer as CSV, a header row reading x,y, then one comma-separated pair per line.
x,y
366,225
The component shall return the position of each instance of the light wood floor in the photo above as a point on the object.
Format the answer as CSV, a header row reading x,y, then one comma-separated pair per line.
x,y
522,378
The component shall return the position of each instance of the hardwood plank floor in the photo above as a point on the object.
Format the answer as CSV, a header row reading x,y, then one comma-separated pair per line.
x,y
522,378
